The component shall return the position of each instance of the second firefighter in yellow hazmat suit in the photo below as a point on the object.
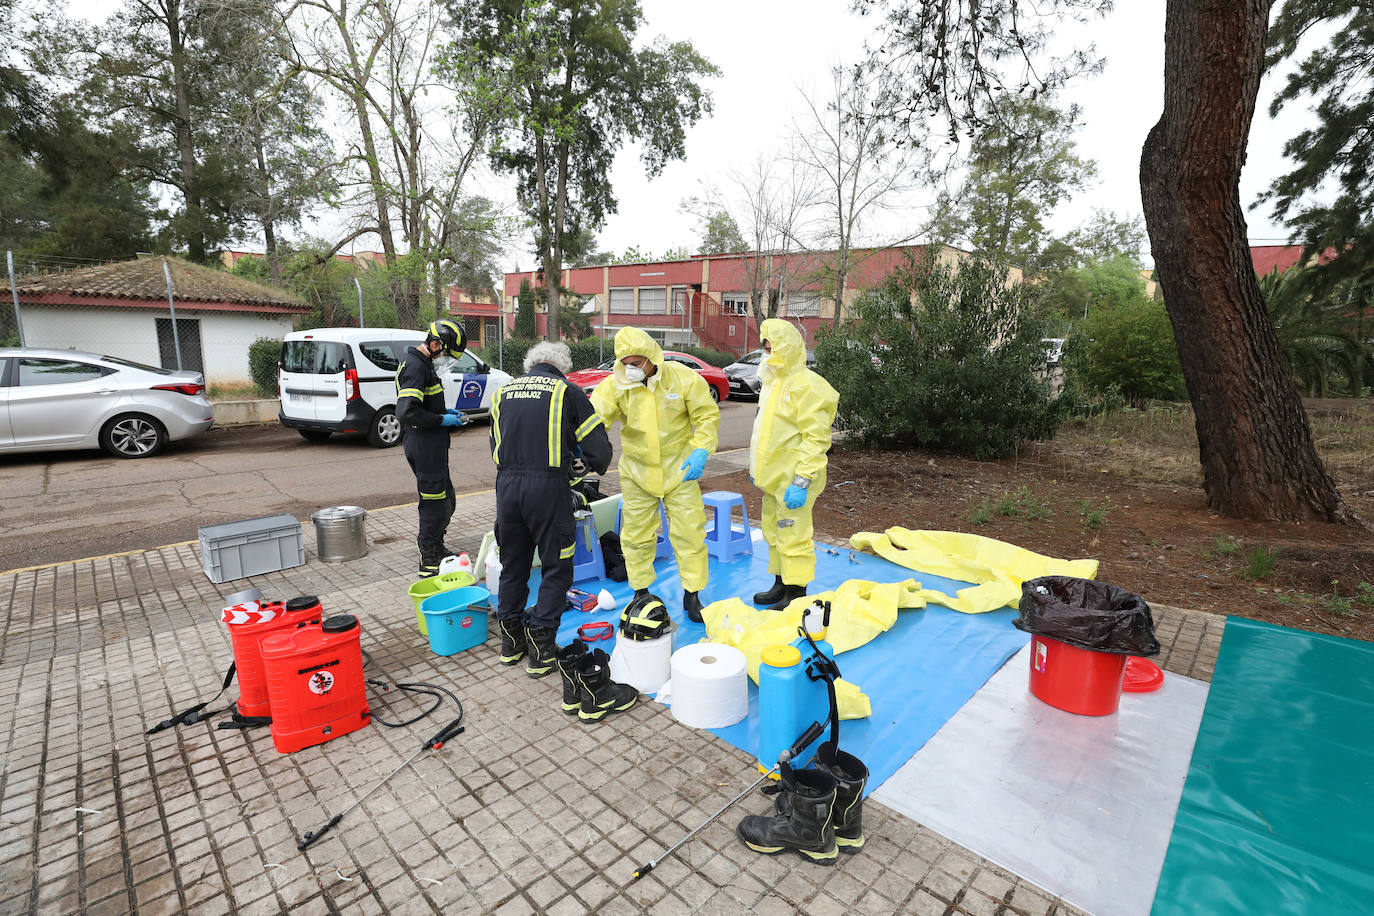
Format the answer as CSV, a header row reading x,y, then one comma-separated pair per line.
x,y
787,458
669,426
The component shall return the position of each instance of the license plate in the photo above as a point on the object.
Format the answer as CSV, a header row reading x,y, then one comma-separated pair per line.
x,y
299,398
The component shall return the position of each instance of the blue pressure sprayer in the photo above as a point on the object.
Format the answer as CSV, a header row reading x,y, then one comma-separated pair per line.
x,y
797,681
799,745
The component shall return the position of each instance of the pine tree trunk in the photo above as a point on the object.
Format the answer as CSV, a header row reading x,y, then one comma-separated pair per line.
x,y
186,148
1255,444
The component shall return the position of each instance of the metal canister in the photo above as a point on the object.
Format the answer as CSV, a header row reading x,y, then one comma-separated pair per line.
x,y
340,533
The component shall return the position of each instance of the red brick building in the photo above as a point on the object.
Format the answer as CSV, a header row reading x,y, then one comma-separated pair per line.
x,y
704,300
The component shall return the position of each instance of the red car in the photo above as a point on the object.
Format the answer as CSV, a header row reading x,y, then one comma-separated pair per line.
x,y
587,379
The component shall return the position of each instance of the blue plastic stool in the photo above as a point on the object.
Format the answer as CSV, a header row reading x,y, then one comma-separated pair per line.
x,y
662,548
723,540
587,560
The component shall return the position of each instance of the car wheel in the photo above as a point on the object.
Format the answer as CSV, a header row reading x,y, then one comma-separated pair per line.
x,y
133,435
386,429
315,435
715,393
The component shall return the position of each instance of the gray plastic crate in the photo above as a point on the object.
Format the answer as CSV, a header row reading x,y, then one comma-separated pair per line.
x,y
236,550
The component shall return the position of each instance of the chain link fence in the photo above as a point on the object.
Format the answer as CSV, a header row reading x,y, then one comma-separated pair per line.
x,y
179,316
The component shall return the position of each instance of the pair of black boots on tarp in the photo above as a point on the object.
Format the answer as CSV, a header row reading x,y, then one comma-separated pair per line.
x,y
588,690
818,812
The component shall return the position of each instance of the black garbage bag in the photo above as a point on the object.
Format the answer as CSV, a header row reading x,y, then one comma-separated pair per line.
x,y
613,556
1087,614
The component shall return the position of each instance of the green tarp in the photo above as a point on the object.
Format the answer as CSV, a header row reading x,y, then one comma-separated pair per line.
x,y
1277,809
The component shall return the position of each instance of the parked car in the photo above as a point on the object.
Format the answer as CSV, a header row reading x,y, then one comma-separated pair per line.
x,y
343,380
66,399
587,379
743,374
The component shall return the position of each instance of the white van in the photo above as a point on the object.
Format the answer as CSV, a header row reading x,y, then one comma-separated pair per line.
x,y
343,380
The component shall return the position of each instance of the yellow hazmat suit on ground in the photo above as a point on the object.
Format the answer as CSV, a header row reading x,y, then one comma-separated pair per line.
x,y
664,418
789,445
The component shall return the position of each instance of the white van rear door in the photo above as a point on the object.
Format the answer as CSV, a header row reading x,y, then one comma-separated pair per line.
x,y
334,362
297,379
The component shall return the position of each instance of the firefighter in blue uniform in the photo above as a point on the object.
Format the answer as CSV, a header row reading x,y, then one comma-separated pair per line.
x,y
544,433
424,434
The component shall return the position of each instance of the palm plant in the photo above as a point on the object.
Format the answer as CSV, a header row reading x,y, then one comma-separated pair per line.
x,y
1315,335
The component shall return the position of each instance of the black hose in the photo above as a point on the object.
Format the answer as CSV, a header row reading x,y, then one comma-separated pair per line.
x,y
431,690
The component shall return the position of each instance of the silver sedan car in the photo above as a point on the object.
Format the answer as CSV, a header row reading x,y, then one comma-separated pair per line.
x,y
65,399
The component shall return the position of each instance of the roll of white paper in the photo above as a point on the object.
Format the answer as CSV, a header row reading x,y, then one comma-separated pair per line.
x,y
643,664
710,685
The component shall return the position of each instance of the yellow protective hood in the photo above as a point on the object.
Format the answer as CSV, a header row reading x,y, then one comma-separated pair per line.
x,y
789,349
634,342
997,567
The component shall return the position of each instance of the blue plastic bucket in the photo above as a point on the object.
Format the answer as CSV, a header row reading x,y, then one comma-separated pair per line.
x,y
453,622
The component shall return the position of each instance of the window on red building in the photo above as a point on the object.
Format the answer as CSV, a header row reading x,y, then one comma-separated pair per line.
x,y
653,300
623,301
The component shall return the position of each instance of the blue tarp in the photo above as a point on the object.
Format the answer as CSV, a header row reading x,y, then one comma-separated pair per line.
x,y
916,675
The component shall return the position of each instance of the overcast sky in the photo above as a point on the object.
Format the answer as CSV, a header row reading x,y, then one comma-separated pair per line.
x,y
770,51
767,49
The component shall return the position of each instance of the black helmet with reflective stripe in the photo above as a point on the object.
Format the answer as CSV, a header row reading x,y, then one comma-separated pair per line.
x,y
450,333
645,618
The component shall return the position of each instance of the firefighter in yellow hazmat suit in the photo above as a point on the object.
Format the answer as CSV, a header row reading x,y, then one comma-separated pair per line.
x,y
669,426
787,458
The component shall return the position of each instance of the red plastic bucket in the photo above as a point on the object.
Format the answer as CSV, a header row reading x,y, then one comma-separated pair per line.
x,y
1079,681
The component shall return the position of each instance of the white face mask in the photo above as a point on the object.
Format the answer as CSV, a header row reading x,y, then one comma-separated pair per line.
x,y
442,362
634,373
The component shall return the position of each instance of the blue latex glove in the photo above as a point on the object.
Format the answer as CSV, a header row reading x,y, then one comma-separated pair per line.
x,y
795,497
453,418
694,465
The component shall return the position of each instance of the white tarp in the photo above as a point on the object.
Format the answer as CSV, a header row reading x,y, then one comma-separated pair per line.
x,y
1081,805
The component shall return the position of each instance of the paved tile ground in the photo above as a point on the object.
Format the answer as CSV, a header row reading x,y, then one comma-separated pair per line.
x,y
528,812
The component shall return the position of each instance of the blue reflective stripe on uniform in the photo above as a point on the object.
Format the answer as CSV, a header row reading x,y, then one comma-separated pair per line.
x,y
556,427
585,429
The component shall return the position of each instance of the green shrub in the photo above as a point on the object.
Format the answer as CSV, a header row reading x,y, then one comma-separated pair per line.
x,y
1128,349
942,359
716,358
524,311
263,356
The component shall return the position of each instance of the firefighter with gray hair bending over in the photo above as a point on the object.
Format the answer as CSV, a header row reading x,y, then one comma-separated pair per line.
x,y
544,433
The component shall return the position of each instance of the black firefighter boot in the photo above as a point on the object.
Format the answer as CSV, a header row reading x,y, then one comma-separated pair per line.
x,y
542,649
512,639
851,776
789,594
768,596
691,604
430,557
600,696
568,657
806,828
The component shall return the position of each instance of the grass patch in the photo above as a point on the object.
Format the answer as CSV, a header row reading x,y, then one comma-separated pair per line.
x,y
233,391
1260,562
1338,605
1021,504
1225,546
982,514
1094,516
